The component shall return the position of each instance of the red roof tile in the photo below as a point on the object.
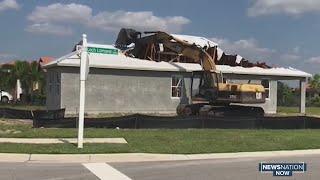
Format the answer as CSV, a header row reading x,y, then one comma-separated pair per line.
x,y
45,60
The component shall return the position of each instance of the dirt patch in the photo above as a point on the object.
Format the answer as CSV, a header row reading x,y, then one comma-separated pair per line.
x,y
16,121
10,131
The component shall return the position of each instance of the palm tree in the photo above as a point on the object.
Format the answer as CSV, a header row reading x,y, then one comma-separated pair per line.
x,y
21,71
7,79
36,77
29,74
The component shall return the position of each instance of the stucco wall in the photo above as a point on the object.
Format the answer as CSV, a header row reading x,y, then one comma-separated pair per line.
x,y
127,91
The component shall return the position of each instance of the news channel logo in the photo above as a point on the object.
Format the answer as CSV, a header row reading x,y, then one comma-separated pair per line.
x,y
282,169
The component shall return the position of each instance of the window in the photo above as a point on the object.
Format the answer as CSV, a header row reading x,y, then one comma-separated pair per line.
x,y
176,86
266,84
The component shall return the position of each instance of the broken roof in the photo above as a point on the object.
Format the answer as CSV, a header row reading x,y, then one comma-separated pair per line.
x,y
120,61
162,46
200,41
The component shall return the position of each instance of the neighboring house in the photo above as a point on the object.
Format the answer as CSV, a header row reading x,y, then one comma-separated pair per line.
x,y
6,66
43,61
117,83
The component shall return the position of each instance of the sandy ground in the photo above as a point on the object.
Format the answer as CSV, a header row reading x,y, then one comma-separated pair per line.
x,y
15,121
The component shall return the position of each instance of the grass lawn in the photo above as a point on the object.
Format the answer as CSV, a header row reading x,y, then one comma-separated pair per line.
x,y
295,110
163,141
22,107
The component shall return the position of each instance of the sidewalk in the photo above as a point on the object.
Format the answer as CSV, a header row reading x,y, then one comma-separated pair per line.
x,y
144,157
62,140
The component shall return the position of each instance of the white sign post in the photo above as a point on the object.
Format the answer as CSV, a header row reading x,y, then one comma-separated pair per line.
x,y
84,70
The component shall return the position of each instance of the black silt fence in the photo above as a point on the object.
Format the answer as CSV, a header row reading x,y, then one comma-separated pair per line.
x,y
155,122
15,113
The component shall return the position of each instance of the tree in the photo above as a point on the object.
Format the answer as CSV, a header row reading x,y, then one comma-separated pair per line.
x,y
28,74
21,71
315,82
7,80
315,85
36,76
286,96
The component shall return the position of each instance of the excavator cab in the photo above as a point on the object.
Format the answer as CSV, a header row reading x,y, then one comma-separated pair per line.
x,y
204,85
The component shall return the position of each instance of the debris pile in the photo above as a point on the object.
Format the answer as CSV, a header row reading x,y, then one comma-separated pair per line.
x,y
161,46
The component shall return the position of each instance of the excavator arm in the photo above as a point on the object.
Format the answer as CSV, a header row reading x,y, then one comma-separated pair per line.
x,y
192,51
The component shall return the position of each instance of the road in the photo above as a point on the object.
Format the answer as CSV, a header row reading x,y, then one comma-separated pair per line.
x,y
225,169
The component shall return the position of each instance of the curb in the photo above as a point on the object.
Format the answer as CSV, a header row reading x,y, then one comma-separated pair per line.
x,y
144,157
62,140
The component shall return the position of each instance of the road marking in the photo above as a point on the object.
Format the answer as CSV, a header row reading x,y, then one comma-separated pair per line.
x,y
105,172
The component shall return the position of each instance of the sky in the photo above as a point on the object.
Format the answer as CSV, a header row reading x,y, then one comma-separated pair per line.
x,y
279,32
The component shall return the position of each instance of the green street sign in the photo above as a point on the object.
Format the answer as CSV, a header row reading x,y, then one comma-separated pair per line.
x,y
102,50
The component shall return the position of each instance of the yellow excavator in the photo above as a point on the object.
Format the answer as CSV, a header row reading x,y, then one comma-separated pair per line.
x,y
211,88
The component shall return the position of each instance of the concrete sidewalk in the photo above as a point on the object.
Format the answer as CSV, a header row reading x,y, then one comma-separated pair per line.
x,y
61,140
144,157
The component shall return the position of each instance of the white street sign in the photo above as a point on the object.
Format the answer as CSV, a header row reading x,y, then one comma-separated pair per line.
x,y
84,70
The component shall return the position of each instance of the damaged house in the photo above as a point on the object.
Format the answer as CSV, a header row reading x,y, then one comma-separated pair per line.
x,y
155,72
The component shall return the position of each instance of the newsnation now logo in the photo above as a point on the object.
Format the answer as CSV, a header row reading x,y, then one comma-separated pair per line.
x,y
282,169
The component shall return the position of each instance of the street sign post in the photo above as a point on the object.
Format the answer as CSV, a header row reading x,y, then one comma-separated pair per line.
x,y
84,70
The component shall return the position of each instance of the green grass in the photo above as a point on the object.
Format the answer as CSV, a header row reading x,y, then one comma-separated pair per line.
x,y
184,141
22,107
295,110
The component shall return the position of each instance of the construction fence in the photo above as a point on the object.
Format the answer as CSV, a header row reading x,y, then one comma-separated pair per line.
x,y
138,121
55,118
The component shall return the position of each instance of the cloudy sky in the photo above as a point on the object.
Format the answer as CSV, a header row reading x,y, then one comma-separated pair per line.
x,y
280,32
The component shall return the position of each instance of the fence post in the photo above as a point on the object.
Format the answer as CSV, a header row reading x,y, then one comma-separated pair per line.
x,y
135,123
202,120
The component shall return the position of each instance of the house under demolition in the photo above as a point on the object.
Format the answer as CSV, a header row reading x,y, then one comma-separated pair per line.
x,y
156,73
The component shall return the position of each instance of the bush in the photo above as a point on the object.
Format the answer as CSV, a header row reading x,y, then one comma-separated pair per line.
x,y
314,102
38,99
286,96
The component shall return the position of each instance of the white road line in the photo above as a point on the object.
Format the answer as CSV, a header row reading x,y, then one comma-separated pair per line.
x,y
105,172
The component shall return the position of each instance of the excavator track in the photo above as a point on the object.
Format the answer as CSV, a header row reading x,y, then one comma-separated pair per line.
x,y
205,109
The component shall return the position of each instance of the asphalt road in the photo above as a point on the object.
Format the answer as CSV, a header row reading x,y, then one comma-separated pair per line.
x,y
243,168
